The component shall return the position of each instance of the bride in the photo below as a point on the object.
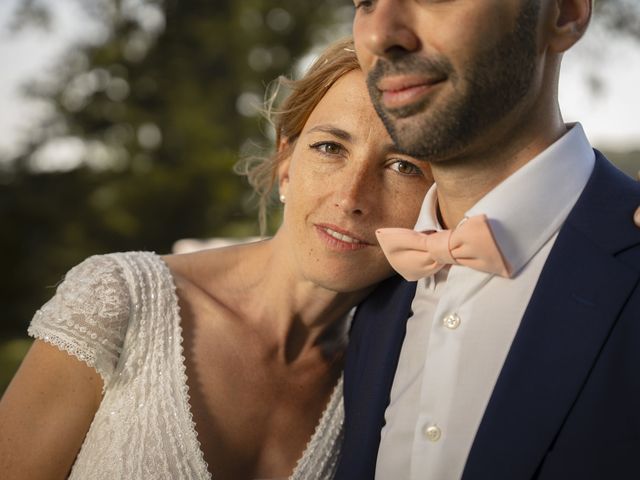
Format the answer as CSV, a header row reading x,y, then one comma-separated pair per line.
x,y
224,363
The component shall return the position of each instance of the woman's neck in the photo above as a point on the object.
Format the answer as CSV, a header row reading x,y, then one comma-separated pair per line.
x,y
295,316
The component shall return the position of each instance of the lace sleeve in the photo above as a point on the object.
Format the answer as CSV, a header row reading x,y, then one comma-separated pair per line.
x,y
88,315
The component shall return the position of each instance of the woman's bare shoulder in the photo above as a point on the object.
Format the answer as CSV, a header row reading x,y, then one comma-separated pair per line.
x,y
215,275
201,266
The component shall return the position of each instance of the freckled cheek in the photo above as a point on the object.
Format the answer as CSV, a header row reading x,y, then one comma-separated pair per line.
x,y
312,256
307,189
392,209
402,208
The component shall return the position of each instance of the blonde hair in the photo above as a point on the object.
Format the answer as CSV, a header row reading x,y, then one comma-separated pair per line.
x,y
289,117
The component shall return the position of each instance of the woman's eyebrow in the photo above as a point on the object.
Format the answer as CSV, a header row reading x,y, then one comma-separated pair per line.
x,y
389,148
335,131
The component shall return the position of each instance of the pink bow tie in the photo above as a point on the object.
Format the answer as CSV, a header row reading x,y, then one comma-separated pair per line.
x,y
415,255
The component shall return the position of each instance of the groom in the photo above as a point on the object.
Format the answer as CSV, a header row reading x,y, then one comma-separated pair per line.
x,y
534,373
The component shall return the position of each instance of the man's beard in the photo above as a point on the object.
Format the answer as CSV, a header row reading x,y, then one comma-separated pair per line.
x,y
486,92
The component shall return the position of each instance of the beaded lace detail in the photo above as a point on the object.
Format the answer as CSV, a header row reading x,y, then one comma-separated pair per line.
x,y
119,313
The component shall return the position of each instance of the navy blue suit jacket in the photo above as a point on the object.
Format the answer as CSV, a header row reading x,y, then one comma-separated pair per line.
x,y
567,401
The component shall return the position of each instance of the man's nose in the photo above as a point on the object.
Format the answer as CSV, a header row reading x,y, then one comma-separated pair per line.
x,y
387,31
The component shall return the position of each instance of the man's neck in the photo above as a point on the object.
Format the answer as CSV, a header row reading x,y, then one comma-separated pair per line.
x,y
464,180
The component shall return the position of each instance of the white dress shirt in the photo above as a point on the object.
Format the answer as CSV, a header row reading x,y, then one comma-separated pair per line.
x,y
464,320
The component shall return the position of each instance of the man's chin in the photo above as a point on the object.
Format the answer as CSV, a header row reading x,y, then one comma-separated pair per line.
x,y
407,112
407,133
423,140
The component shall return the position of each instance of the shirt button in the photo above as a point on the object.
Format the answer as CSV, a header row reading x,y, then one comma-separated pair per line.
x,y
451,321
432,432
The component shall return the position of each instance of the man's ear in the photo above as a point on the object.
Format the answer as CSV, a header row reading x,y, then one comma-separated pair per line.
x,y
284,152
567,21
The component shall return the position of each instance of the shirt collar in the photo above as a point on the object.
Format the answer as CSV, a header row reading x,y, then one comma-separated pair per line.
x,y
529,207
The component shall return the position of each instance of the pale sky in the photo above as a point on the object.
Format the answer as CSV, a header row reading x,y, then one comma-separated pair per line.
x,y
610,119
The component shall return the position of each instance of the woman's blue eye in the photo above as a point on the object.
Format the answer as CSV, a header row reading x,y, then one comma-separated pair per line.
x,y
406,168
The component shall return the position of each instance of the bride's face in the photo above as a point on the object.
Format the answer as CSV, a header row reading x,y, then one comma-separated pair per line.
x,y
343,180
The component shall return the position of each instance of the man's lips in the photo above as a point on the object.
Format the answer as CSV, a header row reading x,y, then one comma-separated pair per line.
x,y
400,91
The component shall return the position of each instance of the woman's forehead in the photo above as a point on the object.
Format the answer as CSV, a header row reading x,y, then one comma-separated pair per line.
x,y
346,104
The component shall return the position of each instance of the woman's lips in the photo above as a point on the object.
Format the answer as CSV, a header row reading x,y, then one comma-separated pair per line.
x,y
340,239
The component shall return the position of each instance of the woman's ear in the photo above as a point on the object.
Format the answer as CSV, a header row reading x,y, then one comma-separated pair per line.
x,y
284,152
567,22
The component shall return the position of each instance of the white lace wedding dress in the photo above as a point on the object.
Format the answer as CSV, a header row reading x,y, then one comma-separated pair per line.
x,y
119,313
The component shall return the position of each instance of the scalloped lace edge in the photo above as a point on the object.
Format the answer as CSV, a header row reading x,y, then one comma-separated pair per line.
x,y
325,423
182,368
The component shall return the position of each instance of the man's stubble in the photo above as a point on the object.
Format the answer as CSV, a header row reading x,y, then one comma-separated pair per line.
x,y
484,93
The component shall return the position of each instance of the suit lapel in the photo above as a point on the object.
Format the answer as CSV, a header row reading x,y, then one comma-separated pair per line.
x,y
376,340
561,333
577,300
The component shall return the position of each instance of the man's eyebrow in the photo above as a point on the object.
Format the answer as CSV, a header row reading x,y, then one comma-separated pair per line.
x,y
335,131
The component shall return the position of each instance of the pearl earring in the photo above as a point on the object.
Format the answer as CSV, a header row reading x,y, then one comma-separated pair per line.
x,y
283,198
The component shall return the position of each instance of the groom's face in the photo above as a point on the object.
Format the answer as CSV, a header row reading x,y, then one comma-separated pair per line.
x,y
441,71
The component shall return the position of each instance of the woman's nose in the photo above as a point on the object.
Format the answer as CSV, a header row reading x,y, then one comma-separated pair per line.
x,y
356,194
